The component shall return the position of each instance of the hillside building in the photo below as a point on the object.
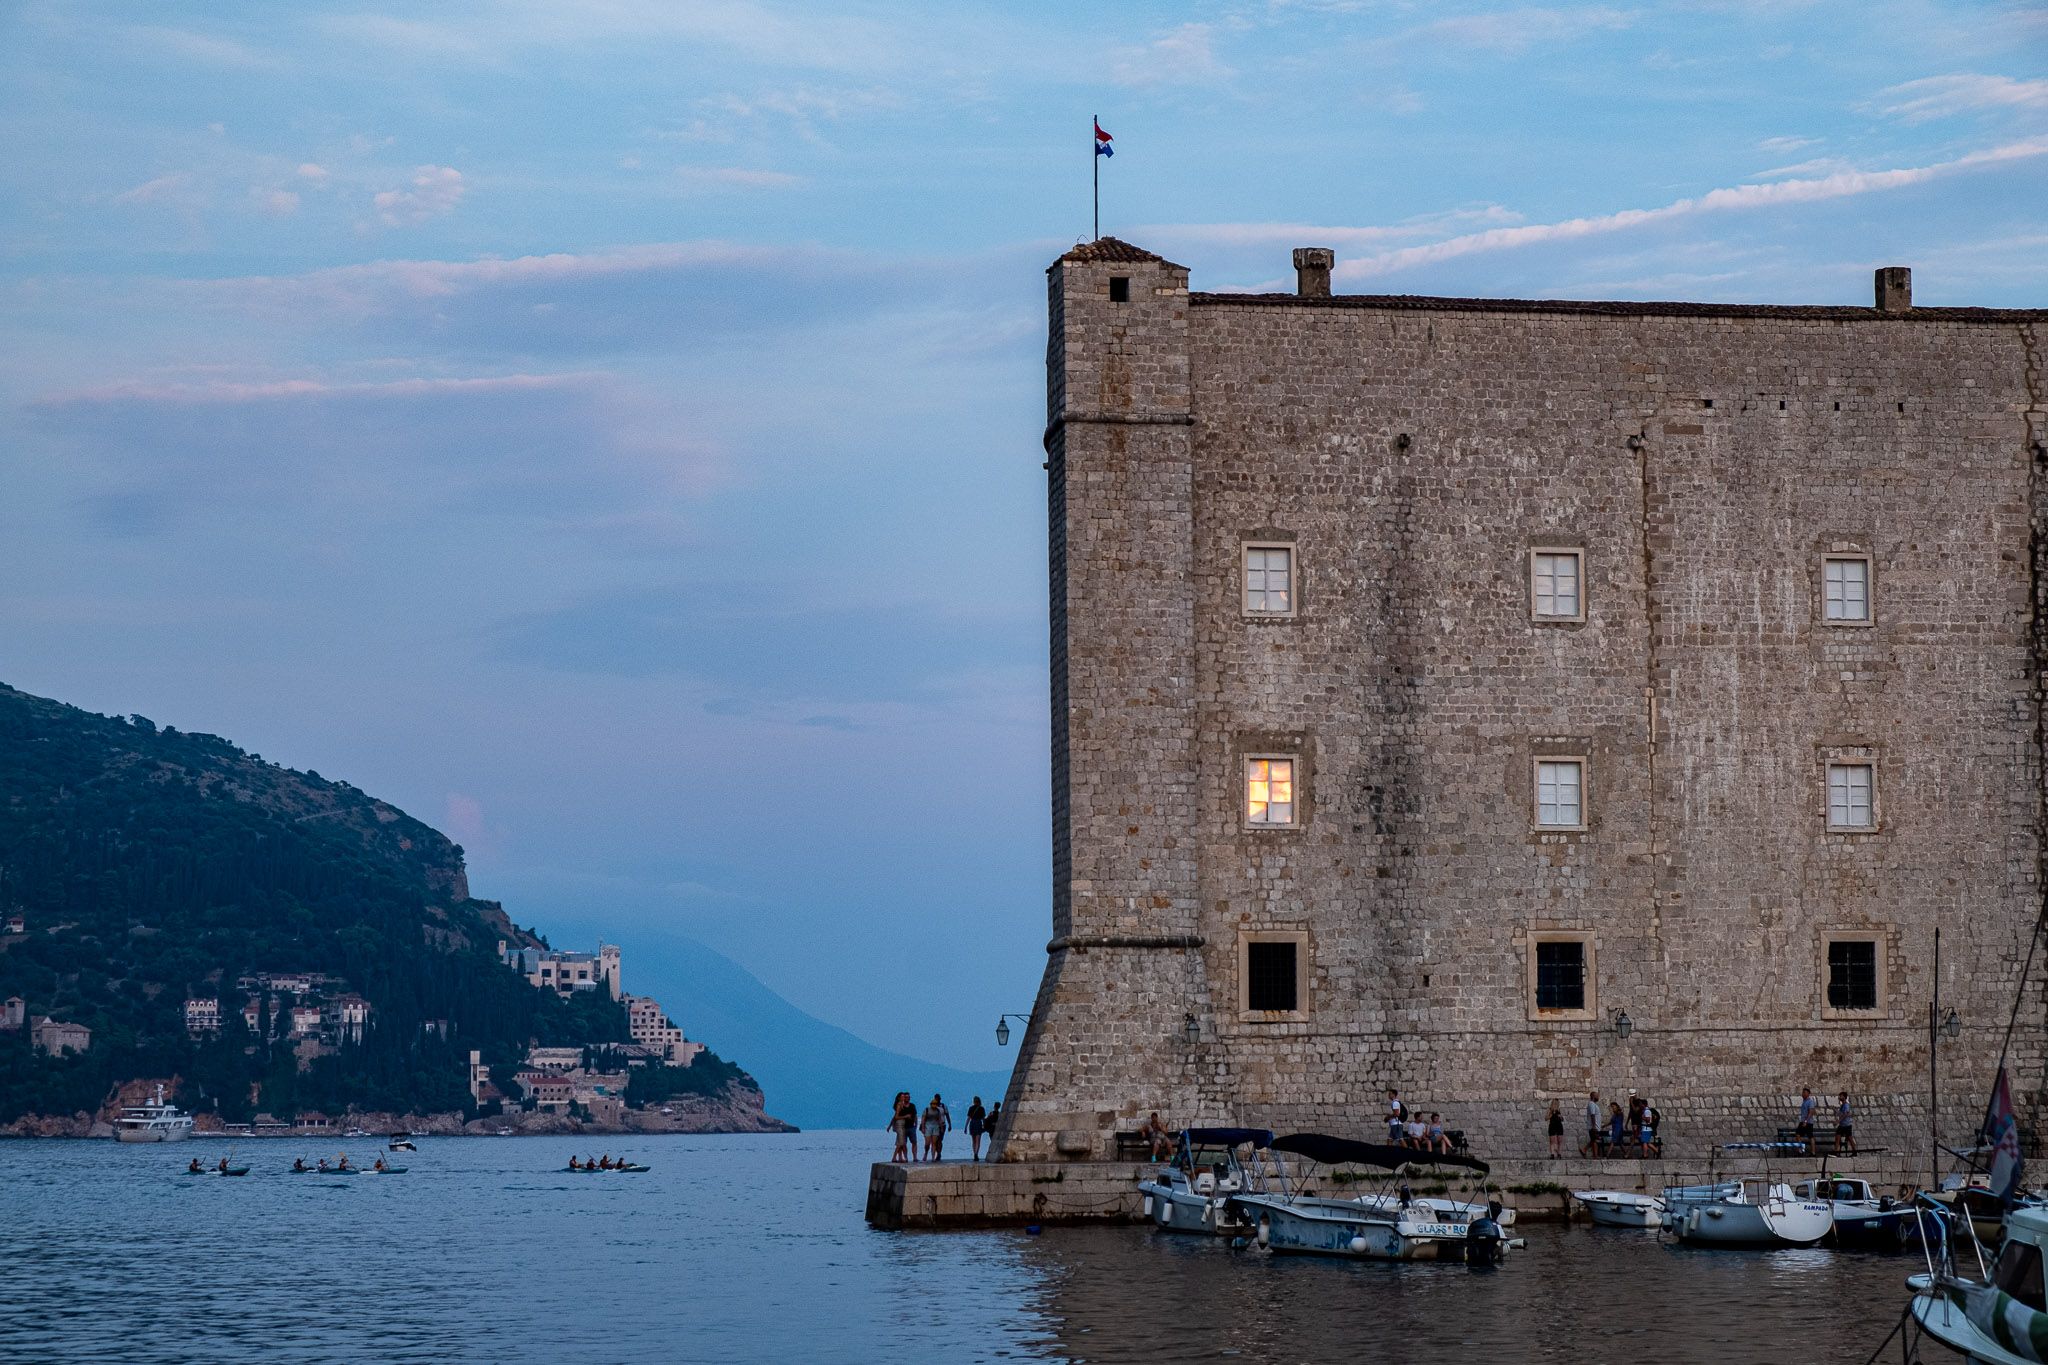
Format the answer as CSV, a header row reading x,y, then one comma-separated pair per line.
x,y
647,1025
202,1014
57,1037
13,1014
565,972
1504,699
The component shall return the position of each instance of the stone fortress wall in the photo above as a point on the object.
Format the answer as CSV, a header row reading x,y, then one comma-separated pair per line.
x,y
1704,461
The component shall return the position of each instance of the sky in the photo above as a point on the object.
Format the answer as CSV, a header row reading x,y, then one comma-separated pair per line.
x,y
609,429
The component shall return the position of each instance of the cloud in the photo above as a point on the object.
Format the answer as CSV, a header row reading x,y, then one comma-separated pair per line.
x,y
1943,96
1184,56
1786,144
1820,165
684,295
274,201
436,190
1740,197
316,174
1306,234
149,457
163,189
733,177
758,647
1514,31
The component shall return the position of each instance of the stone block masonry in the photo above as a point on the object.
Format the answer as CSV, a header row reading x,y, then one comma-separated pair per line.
x,y
1762,586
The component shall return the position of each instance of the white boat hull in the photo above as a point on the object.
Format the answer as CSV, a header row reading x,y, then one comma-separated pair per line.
x,y
1342,1227
172,1132
1180,1211
1437,1210
1946,1322
1617,1209
1774,1223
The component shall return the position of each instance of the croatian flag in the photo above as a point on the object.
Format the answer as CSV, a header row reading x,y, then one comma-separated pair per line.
x,y
2003,1135
1102,147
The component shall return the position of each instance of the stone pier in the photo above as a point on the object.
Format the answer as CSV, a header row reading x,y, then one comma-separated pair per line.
x,y
956,1195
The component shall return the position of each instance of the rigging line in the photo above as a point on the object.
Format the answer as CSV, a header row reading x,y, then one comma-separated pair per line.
x,y
1896,1328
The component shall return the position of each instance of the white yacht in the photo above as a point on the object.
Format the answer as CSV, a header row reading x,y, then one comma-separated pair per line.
x,y
156,1121
1745,1213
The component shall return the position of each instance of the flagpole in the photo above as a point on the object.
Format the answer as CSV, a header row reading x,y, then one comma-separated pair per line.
x,y
1095,160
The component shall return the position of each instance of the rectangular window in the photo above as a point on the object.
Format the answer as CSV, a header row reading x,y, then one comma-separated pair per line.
x,y
1269,791
1845,585
1269,579
1271,979
1849,793
1560,793
1119,288
1852,974
1554,584
1560,976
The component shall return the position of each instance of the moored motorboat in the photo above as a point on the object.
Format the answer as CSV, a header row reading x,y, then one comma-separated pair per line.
x,y
1297,1222
1864,1220
401,1142
1619,1209
1998,1317
1193,1192
154,1121
1745,1213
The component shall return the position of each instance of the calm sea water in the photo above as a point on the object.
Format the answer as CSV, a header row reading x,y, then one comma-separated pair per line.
x,y
754,1249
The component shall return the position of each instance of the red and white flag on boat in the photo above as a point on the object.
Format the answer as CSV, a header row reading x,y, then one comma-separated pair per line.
x,y
2002,1133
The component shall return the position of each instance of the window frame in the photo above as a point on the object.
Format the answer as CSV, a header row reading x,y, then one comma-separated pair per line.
x,y
1869,617
1828,766
1244,578
1578,554
1536,763
1304,976
1880,937
1244,796
1590,947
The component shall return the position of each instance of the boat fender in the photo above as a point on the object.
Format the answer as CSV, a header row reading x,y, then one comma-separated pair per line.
x,y
1265,1232
1148,1206
1517,1243
1358,1245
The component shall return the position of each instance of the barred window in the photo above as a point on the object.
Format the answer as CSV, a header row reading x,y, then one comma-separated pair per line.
x,y
1269,579
1560,976
1269,791
1560,793
1849,796
1852,974
1845,589
1271,976
1554,584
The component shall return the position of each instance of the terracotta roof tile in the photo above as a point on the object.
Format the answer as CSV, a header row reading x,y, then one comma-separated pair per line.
x,y
1108,251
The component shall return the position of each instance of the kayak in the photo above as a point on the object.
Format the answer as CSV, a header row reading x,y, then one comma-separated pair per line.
x,y
212,1170
388,1170
606,1170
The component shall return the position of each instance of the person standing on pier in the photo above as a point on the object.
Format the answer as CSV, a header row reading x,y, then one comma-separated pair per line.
x,y
976,1118
903,1124
1553,1126
937,1121
1592,1147
1844,1125
1805,1129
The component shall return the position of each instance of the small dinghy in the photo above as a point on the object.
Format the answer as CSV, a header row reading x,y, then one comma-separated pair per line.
x,y
1618,1209
1864,1220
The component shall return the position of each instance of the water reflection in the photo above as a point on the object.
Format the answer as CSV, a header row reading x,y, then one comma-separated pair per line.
x,y
750,1249
1591,1294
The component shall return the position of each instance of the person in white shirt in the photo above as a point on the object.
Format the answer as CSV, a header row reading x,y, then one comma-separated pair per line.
x,y
1592,1147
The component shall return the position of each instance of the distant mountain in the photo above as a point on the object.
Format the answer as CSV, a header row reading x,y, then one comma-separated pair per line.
x,y
817,1075
149,866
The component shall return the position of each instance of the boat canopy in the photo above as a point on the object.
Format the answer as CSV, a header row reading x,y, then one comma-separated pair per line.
x,y
1336,1151
1227,1137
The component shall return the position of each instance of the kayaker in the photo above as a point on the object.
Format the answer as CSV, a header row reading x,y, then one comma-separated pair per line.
x,y
378,1165
194,1167
298,1163
323,1163
573,1164
223,1168
344,1162
605,1163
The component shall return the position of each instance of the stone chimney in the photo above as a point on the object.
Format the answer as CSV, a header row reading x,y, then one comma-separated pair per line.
x,y
1312,271
1894,289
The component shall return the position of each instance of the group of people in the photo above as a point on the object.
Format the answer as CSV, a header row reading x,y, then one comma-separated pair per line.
x,y
1612,1132
907,1125
1845,1124
593,1163
1407,1128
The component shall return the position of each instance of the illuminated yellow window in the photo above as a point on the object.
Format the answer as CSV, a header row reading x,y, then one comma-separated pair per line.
x,y
1269,791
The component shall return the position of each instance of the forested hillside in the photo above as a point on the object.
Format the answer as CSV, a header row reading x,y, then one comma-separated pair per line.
x,y
149,866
